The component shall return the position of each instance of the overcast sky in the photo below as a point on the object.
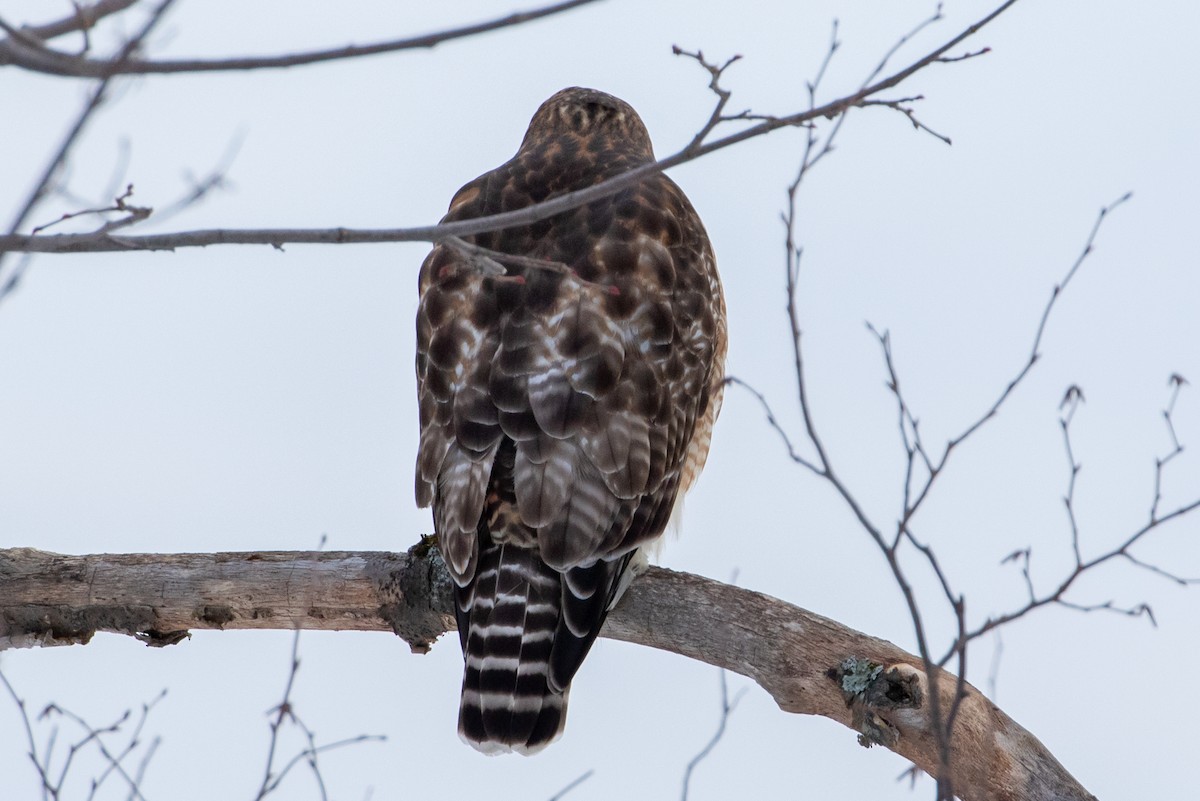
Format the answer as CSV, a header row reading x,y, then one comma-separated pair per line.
x,y
245,399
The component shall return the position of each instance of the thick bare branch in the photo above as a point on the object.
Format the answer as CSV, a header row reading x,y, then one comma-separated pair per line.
x,y
809,664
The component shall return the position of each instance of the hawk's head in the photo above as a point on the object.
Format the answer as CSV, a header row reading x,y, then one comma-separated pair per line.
x,y
590,115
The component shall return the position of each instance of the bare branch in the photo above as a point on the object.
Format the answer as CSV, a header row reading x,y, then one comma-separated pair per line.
x,y
1071,401
1057,595
796,656
47,788
54,778
914,492
99,241
814,152
935,469
34,56
135,782
58,159
270,780
94,735
97,97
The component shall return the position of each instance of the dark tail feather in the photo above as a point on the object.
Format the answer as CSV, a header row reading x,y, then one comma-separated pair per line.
x,y
525,630
587,593
511,611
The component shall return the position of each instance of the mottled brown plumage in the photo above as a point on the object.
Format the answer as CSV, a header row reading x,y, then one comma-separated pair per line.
x,y
562,411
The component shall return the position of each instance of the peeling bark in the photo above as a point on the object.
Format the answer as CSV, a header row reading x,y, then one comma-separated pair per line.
x,y
809,664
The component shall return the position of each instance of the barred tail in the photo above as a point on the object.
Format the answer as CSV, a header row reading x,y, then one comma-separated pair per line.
x,y
525,628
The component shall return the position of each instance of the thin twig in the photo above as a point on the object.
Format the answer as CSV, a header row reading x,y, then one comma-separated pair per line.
x,y
119,204
1071,402
907,110
52,788
309,755
572,785
134,741
1176,382
727,707
491,264
95,735
281,711
84,18
285,711
717,116
772,421
1034,351
32,753
909,430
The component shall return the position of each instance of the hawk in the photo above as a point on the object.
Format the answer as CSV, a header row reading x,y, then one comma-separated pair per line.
x,y
565,404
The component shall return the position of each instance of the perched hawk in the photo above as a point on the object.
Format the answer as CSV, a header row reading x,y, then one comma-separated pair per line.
x,y
564,405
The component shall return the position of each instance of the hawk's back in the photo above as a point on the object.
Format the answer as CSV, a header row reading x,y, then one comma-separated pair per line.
x,y
563,407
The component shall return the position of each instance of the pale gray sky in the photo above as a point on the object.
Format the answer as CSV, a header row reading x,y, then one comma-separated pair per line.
x,y
242,398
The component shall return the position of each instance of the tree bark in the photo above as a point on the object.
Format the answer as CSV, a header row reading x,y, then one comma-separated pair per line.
x,y
809,664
